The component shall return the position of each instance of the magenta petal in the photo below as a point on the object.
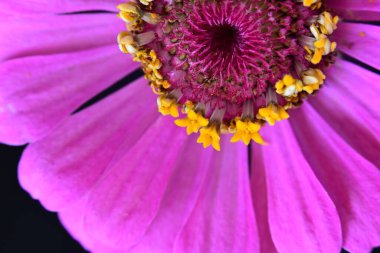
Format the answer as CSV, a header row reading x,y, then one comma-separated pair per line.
x,y
183,190
352,181
37,93
301,215
72,219
63,166
360,41
125,201
222,219
349,102
57,6
355,5
260,200
359,15
35,35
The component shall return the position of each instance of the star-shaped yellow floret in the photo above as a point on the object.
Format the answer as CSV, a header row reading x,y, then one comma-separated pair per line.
x,y
130,12
312,80
209,136
247,131
192,122
167,106
289,86
313,4
272,113
327,23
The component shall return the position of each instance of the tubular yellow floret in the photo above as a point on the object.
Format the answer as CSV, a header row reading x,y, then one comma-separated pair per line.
x,y
272,113
289,86
193,122
327,23
130,12
313,4
146,2
167,106
312,80
209,136
246,131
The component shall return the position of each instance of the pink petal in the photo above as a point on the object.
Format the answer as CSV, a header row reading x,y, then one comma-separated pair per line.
x,y
352,181
260,200
222,219
33,100
72,219
60,168
35,35
57,6
360,41
358,15
125,201
182,192
301,215
349,102
355,5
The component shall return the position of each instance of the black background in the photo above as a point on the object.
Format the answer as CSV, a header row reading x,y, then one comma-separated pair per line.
x,y
25,227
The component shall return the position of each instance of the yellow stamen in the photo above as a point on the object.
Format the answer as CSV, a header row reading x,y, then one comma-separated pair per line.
x,y
192,122
327,23
313,4
272,113
288,86
247,131
312,80
130,12
167,106
146,2
209,136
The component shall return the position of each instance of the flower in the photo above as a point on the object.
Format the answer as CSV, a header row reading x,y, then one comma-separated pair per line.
x,y
124,179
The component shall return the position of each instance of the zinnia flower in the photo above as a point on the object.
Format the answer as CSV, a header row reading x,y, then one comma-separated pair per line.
x,y
123,178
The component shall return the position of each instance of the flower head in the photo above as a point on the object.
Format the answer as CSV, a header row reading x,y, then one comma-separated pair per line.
x,y
220,61
122,178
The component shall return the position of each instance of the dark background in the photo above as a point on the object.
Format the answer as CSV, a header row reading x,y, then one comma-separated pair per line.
x,y
24,225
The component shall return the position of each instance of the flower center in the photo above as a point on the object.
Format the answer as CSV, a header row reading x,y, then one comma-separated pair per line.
x,y
231,65
224,39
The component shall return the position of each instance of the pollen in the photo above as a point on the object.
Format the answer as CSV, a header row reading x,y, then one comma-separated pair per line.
x,y
220,66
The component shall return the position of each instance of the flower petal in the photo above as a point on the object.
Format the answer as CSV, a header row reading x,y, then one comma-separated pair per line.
x,y
300,212
63,166
359,15
355,5
53,34
56,6
125,201
360,41
222,219
260,200
352,181
72,219
349,102
189,175
33,100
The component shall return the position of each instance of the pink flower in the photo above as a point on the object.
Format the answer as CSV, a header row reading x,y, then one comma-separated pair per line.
x,y
125,179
